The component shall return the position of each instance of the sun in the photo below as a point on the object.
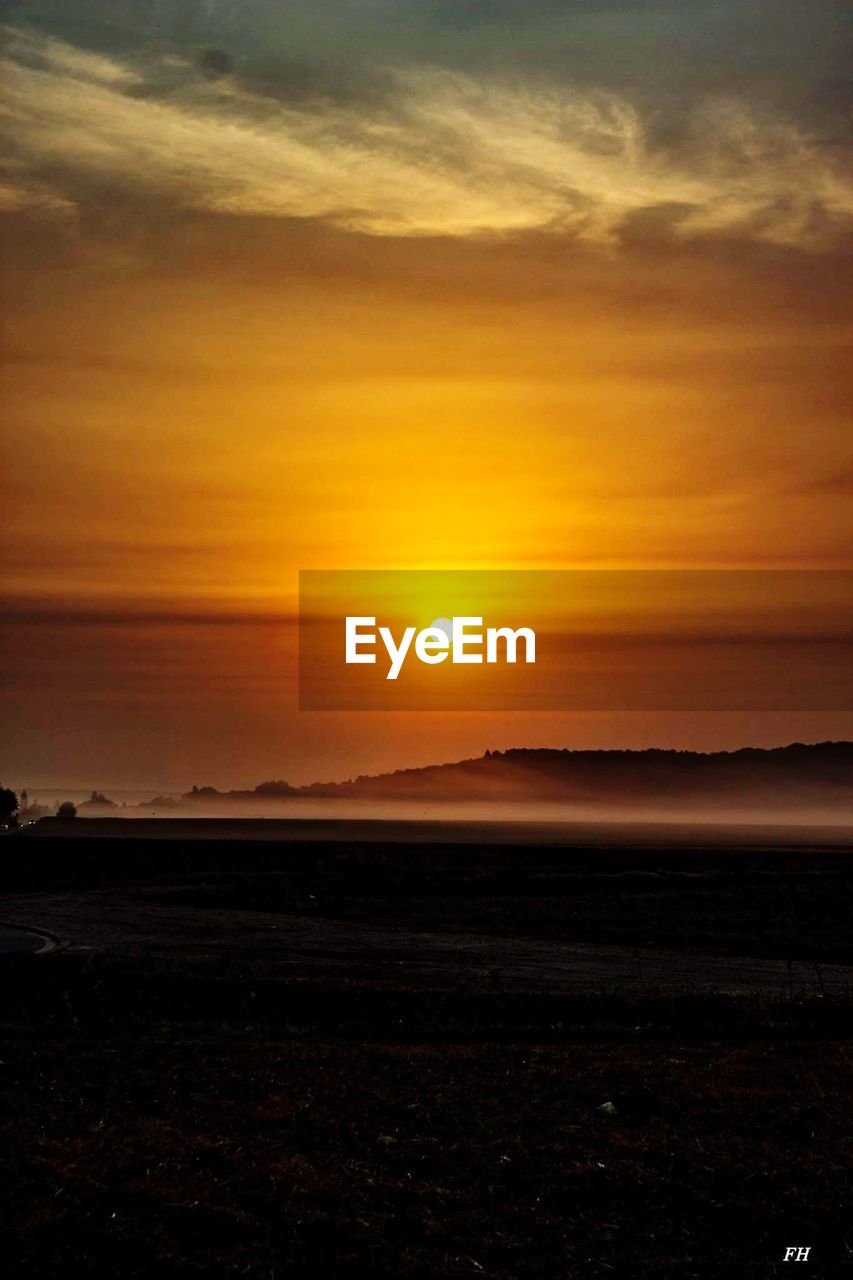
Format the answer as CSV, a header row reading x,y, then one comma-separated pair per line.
x,y
444,625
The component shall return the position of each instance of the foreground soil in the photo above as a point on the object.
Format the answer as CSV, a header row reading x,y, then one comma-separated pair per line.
x,y
276,1159
353,1059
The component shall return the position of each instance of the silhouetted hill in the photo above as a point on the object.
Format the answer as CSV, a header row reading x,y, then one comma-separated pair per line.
x,y
799,772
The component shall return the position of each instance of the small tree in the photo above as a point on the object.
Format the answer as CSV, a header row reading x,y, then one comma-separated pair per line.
x,y
67,810
8,804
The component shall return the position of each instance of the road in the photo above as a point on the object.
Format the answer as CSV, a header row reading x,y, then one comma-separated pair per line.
x,y
13,938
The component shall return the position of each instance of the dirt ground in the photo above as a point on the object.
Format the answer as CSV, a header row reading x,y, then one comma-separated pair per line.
x,y
339,1059
279,1159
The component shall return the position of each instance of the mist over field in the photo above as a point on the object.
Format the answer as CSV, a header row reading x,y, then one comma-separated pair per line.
x,y
800,784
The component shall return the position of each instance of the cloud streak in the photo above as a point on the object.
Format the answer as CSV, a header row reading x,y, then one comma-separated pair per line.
x,y
444,154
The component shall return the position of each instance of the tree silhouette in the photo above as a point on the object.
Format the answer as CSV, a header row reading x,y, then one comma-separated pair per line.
x,y
98,798
67,810
8,804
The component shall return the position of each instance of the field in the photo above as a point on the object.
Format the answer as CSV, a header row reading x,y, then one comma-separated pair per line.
x,y
601,1055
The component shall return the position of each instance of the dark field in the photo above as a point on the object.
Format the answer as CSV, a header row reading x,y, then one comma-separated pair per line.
x,y
270,1158
275,1059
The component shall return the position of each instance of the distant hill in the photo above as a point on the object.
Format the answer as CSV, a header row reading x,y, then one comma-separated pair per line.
x,y
797,773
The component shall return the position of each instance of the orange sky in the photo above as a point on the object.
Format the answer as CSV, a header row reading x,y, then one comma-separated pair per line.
x,y
205,434
201,401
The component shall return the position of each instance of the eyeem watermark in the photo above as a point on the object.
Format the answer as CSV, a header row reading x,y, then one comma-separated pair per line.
x,y
575,640
461,639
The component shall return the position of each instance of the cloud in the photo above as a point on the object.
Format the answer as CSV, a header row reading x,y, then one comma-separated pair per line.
x,y
66,59
20,191
444,154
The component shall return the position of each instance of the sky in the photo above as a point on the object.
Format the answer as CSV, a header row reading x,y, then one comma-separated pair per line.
x,y
399,284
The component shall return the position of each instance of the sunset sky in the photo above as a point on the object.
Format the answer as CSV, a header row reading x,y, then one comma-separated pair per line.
x,y
399,284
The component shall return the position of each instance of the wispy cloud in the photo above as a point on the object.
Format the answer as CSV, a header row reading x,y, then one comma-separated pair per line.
x,y
444,154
